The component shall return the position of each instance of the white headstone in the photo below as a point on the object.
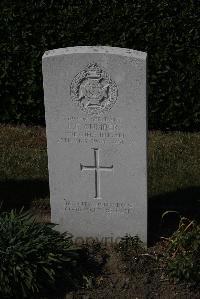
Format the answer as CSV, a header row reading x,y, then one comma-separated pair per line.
x,y
95,107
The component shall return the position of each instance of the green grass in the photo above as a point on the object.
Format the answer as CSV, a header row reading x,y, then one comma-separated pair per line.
x,y
23,153
173,162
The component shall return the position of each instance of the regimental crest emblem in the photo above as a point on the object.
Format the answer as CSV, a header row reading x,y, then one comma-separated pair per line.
x,y
93,90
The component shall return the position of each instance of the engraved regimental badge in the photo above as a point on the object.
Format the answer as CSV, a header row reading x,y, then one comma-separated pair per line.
x,y
93,90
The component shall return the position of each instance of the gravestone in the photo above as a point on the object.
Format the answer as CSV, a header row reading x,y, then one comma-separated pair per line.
x,y
95,110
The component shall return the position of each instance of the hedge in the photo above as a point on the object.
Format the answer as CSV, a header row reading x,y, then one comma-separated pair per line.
x,y
169,31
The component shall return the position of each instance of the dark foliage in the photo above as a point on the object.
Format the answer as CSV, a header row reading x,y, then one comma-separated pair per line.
x,y
182,254
35,259
167,30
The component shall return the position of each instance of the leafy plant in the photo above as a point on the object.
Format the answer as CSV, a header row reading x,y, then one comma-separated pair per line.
x,y
34,258
135,255
182,252
129,245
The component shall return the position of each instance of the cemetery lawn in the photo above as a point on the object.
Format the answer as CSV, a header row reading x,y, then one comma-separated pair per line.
x,y
173,185
173,164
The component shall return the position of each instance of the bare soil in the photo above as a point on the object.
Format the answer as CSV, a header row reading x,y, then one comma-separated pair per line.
x,y
148,281
121,276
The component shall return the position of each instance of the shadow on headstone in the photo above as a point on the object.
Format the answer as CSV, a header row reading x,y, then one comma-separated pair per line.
x,y
181,203
15,194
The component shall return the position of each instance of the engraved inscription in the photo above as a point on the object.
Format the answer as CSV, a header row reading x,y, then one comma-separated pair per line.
x,y
94,207
93,129
93,90
97,170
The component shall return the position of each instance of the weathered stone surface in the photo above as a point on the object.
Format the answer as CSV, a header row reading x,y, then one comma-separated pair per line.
x,y
95,106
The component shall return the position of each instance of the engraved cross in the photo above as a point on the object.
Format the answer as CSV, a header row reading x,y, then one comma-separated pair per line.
x,y
97,169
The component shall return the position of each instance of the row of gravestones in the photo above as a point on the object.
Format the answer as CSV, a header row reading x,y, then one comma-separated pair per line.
x,y
96,123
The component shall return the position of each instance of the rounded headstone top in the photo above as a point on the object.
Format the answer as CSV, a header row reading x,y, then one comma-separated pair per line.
x,y
95,49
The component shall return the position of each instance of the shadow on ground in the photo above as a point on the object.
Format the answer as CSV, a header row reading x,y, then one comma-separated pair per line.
x,y
17,193
184,203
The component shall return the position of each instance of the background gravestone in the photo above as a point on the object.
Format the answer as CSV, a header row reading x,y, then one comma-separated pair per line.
x,y
95,107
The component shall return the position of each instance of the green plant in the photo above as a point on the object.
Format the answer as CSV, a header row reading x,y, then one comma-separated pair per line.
x,y
34,258
134,254
130,246
182,252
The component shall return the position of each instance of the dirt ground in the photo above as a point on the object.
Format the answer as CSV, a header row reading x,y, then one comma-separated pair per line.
x,y
147,282
122,276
